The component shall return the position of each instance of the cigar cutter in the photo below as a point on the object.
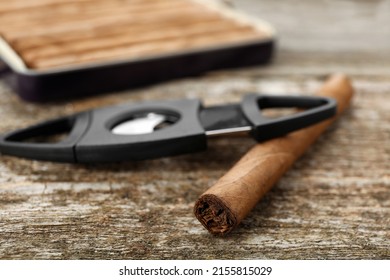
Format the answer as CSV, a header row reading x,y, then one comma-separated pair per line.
x,y
159,128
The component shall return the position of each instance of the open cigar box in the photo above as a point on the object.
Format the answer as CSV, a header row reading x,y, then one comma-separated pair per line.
x,y
60,49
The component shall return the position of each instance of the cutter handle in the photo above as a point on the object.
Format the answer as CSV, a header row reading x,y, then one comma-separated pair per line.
x,y
317,109
16,143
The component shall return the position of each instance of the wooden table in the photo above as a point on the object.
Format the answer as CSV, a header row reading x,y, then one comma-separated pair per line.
x,y
334,203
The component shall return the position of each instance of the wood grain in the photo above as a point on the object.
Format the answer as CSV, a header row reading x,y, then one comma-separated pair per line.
x,y
333,204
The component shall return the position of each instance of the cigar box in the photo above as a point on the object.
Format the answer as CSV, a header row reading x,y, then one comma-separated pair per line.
x,y
64,49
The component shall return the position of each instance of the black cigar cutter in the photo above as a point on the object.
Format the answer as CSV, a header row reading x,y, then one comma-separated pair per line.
x,y
162,128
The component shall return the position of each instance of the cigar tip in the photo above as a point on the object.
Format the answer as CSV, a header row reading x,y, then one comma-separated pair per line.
x,y
339,79
337,85
214,215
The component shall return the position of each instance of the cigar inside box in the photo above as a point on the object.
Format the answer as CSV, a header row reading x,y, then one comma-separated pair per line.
x,y
57,33
62,48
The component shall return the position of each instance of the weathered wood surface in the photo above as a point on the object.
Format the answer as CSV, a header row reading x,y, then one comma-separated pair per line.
x,y
334,203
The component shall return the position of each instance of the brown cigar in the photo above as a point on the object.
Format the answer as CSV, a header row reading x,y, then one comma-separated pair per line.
x,y
221,208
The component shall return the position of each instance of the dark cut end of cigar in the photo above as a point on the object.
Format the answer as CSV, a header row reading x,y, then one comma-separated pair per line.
x,y
215,215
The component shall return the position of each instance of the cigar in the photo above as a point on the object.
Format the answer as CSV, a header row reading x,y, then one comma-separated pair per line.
x,y
221,208
146,48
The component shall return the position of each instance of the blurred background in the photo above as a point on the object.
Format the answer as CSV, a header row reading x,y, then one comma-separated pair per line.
x,y
347,26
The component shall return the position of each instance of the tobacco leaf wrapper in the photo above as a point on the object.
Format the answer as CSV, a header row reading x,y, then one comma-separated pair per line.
x,y
221,208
